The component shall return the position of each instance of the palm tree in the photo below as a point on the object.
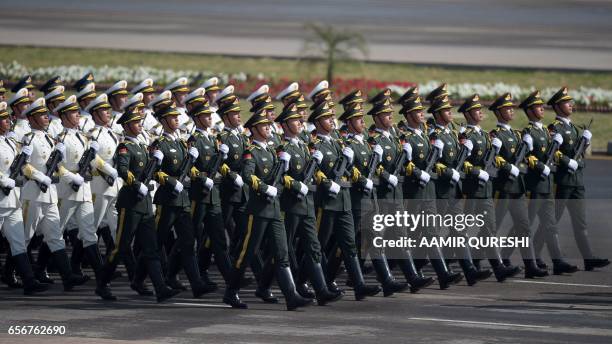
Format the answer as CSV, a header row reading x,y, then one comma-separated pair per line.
x,y
332,45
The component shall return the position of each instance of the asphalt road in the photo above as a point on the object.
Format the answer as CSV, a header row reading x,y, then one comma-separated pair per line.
x,y
519,33
576,308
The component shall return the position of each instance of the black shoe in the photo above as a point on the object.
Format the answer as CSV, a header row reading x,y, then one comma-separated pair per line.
x,y
560,267
105,293
333,287
363,291
231,298
503,272
176,284
296,301
324,297
449,279
74,281
35,287
392,287
540,264
304,290
202,289
43,277
266,295
11,280
473,276
419,282
532,271
166,293
141,289
592,263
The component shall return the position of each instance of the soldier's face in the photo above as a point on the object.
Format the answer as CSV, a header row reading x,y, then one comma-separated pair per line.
x,y
446,116
271,115
147,97
211,95
172,122
385,120
31,94
179,97
102,116
506,113
40,121
263,130
5,124
205,120
536,112
475,116
234,119
21,107
356,125
566,108
70,119
325,124
292,126
118,100
133,128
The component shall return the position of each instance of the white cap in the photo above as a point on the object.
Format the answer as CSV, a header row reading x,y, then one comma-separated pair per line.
x,y
37,104
56,92
261,90
3,106
133,100
320,87
166,95
198,92
69,102
120,86
294,86
179,85
214,81
89,88
103,98
226,91
145,84
22,93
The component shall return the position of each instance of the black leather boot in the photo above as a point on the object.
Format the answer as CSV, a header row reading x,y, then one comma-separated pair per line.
x,y
472,275
264,283
416,280
560,267
102,289
354,271
173,266
40,272
70,280
230,296
190,266
162,291
138,282
8,274
445,277
322,293
30,285
287,286
389,284
595,262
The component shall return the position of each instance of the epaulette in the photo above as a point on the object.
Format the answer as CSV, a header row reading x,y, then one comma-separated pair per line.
x,y
29,136
252,147
518,133
62,135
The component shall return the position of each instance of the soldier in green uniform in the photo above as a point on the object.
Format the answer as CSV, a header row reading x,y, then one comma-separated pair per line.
x,y
440,92
509,185
389,190
333,200
297,203
448,192
260,165
418,189
261,99
173,205
136,220
477,186
362,193
539,184
569,176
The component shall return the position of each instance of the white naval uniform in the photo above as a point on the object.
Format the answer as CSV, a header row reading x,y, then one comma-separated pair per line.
x,y
40,208
78,203
116,128
22,127
216,120
55,126
151,125
104,195
86,122
11,215
186,125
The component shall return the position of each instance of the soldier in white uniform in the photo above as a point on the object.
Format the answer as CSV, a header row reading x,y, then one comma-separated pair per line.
x,y
149,122
25,82
104,195
40,207
212,90
74,190
11,216
86,93
179,89
18,103
53,99
117,96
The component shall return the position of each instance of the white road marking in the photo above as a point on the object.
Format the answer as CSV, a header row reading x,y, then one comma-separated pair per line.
x,y
567,284
479,322
208,305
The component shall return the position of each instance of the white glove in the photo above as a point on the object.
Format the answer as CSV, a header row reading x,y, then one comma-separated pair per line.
x,y
573,164
514,171
208,183
369,184
558,138
94,145
546,171
178,187
378,150
318,156
7,182
194,153
224,149
483,175
496,143
392,180
348,153
528,141
303,189
424,177
143,189
455,177
406,147
111,171
45,180
27,150
440,145
157,154
61,148
271,191
469,145
334,188
238,181
76,179
587,135
285,158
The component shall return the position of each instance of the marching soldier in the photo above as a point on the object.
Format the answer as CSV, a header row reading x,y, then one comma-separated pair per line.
x,y
212,90
569,175
448,194
477,186
11,216
19,102
136,220
180,89
150,124
261,99
40,208
263,209
117,96
53,99
539,184
74,190
86,95
135,102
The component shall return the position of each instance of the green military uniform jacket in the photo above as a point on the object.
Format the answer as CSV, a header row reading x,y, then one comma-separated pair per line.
x,y
258,163
534,180
206,144
362,152
482,143
175,151
420,151
237,143
511,140
571,136
300,157
448,161
332,151
392,147
132,157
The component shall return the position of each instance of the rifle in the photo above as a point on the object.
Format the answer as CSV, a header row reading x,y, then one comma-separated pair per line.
x,y
550,155
489,164
210,172
52,162
15,169
146,175
337,172
88,156
277,172
371,168
583,143
464,153
184,169
519,157
398,163
430,162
